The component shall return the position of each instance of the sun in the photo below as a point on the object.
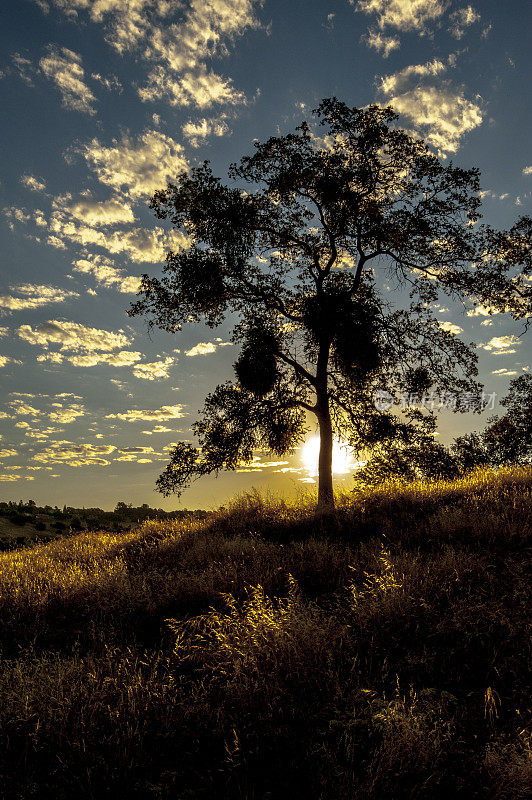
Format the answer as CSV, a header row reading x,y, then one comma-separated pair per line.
x,y
342,458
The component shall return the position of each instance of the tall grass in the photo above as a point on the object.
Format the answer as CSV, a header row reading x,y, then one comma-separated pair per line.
x,y
268,653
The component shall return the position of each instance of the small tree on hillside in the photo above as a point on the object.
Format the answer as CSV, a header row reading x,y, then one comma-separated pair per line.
x,y
294,257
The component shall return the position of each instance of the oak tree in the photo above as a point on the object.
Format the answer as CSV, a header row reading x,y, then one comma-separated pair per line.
x,y
328,249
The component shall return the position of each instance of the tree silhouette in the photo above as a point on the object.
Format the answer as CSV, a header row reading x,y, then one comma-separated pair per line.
x,y
292,251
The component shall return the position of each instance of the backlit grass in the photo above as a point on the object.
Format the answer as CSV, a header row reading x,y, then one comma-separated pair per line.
x,y
268,653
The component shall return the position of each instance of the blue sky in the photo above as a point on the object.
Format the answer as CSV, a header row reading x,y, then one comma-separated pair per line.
x,y
102,102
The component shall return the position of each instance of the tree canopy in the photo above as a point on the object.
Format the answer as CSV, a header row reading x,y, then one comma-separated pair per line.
x,y
298,250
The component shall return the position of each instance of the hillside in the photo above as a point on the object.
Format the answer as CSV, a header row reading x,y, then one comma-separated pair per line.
x,y
264,653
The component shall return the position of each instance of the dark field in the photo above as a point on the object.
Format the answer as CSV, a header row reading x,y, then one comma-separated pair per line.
x,y
265,653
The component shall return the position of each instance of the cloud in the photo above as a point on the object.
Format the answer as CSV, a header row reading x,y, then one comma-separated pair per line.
x,y
63,415
124,358
73,336
198,132
205,348
33,183
527,170
64,67
33,296
106,274
381,43
444,115
501,345
159,429
505,372
8,453
405,15
155,370
96,213
461,19
400,80
138,244
198,87
111,83
4,331
450,327
75,455
177,38
162,414
7,360
136,167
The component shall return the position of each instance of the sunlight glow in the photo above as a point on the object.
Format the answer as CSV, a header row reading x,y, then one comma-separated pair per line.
x,y
342,460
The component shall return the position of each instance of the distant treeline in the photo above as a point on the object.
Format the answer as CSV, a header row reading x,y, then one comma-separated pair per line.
x,y
124,516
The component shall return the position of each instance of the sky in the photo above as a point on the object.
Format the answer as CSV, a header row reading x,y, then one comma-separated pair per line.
x,y
103,101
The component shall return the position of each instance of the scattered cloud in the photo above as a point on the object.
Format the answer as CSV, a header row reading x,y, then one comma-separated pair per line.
x,y
32,183
155,370
400,80
162,414
501,345
198,132
450,327
73,336
381,43
111,82
442,114
64,67
136,167
4,360
461,19
199,87
75,455
205,348
106,274
95,213
405,15
29,296
504,372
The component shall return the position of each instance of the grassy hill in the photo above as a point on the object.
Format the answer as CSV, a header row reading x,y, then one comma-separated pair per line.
x,y
265,653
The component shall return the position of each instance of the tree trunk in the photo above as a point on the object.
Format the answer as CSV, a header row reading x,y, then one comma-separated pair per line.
x,y
325,482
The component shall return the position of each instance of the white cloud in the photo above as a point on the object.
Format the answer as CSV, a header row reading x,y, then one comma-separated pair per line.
x,y
106,274
178,38
124,358
461,19
155,370
158,415
198,132
405,15
96,213
501,345
138,244
75,455
400,80
73,336
33,183
505,372
450,327
205,348
32,296
136,167
198,87
527,170
381,43
111,83
64,67
444,115
7,360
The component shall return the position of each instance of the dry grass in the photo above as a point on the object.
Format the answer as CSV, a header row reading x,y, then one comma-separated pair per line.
x,y
270,654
